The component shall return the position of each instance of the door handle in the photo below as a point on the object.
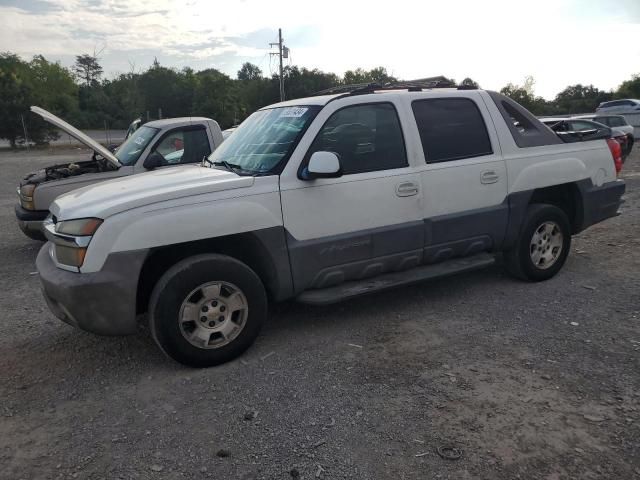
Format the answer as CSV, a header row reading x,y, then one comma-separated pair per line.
x,y
489,176
406,189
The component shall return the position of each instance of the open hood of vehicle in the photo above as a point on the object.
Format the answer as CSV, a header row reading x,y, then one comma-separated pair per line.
x,y
77,134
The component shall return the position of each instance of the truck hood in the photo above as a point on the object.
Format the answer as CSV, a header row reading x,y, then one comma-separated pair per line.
x,y
108,198
77,134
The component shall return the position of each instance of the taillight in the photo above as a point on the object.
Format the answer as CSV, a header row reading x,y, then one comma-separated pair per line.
x,y
616,153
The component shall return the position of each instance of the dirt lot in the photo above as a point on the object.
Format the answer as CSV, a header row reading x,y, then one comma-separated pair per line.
x,y
529,381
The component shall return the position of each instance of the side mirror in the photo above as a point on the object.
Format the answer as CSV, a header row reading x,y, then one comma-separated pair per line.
x,y
154,160
322,165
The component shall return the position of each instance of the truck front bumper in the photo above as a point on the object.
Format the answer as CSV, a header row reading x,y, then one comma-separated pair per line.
x,y
101,302
30,222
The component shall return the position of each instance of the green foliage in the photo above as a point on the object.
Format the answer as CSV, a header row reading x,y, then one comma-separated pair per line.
x,y
524,95
469,82
89,102
87,69
249,72
580,99
24,84
376,75
215,96
629,88
301,82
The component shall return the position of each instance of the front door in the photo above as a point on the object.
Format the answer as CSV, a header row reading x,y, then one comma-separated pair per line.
x,y
366,221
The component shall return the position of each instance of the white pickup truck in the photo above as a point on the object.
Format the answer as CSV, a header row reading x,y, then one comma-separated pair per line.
x,y
322,199
167,142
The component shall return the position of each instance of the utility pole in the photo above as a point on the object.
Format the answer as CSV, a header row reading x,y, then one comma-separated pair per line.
x,y
282,50
24,129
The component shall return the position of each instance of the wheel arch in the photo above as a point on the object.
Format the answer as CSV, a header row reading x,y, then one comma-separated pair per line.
x,y
566,196
263,251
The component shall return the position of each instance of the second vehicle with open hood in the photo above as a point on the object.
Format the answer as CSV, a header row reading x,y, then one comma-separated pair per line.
x,y
160,143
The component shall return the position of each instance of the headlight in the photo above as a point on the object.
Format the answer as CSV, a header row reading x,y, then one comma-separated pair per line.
x,y
82,227
25,192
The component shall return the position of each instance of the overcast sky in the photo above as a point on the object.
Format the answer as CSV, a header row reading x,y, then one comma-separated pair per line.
x,y
494,42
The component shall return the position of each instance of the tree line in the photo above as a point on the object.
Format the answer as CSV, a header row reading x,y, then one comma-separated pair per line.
x,y
81,96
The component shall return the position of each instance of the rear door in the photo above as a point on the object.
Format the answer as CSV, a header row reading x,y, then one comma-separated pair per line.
x,y
368,220
464,179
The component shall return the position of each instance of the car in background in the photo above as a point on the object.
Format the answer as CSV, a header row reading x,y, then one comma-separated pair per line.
x,y
623,105
228,131
166,142
572,129
617,122
133,126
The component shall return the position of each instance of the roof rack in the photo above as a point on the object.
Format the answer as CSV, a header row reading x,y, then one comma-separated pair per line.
x,y
410,85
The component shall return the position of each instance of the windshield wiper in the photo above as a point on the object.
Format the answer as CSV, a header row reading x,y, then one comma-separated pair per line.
x,y
232,167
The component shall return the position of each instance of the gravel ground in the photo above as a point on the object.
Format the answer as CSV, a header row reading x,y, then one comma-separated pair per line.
x,y
538,381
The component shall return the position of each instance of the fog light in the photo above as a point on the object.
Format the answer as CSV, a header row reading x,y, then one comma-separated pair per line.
x,y
72,256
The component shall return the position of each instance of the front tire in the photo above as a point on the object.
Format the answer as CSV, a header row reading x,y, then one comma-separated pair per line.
x,y
207,310
542,246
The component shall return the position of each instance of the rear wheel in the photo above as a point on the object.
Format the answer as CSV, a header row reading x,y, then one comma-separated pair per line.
x,y
542,245
207,310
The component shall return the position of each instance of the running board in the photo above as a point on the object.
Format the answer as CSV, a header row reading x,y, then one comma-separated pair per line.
x,y
344,291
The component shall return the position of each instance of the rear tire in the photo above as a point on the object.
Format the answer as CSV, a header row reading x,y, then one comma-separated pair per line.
x,y
542,245
207,310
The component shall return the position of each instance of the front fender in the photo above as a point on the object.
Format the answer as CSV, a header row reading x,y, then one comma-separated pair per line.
x,y
169,223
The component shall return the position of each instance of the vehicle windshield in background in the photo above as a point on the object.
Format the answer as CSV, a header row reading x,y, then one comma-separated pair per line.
x,y
264,139
129,152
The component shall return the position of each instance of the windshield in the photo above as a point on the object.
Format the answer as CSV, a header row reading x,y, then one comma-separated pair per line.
x,y
129,152
264,140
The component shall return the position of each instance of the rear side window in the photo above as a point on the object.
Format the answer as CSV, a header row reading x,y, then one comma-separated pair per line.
x,y
451,129
611,121
527,130
579,126
366,137
603,120
618,103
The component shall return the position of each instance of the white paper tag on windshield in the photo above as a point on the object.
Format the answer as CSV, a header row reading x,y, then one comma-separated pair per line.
x,y
293,112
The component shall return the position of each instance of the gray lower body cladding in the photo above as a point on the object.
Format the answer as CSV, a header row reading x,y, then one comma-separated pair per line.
x,y
599,203
328,261
102,302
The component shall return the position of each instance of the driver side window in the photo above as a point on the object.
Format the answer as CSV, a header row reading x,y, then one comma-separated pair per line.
x,y
366,138
183,146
